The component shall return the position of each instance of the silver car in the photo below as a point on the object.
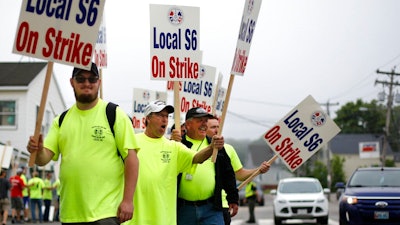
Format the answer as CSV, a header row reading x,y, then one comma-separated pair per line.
x,y
300,198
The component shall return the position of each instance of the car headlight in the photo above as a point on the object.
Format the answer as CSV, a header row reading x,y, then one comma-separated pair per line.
x,y
350,200
320,200
281,201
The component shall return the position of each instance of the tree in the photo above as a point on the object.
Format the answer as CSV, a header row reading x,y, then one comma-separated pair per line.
x,y
360,117
338,174
369,118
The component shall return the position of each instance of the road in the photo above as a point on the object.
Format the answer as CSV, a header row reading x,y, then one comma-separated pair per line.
x,y
264,214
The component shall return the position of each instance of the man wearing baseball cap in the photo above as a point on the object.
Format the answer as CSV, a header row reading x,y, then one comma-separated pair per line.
x,y
199,196
102,194
161,160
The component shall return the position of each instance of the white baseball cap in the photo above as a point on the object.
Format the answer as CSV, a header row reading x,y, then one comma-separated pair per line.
x,y
157,106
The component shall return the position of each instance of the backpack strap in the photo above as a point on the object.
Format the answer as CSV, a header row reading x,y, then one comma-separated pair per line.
x,y
110,112
60,120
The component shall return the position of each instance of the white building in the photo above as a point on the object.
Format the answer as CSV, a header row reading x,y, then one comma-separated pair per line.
x,y
21,87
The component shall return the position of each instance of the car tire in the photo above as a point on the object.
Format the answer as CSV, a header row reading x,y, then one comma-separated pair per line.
x,y
323,220
277,221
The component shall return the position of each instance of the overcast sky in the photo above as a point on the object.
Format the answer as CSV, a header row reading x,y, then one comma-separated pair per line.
x,y
328,49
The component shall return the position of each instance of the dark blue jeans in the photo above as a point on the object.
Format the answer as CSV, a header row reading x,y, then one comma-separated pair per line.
x,y
199,215
47,204
38,203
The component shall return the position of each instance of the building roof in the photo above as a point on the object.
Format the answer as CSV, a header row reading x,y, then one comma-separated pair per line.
x,y
19,73
348,143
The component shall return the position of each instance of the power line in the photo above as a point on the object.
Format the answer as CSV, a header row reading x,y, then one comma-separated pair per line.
x,y
365,79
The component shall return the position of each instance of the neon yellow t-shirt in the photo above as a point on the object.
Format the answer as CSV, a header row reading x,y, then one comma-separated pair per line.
x,y
91,172
236,165
251,188
47,193
36,185
25,192
57,185
198,184
161,160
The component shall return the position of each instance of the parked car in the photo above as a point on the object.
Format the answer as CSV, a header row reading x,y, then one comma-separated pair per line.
x,y
242,195
371,196
339,189
300,198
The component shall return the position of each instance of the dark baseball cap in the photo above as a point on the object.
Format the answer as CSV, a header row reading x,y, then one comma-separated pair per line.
x,y
197,112
93,69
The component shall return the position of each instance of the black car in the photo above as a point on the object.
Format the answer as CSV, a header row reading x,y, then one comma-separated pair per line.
x,y
371,196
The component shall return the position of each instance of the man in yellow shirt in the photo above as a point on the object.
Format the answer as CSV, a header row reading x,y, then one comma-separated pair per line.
x,y
47,196
161,160
251,199
99,167
25,194
199,196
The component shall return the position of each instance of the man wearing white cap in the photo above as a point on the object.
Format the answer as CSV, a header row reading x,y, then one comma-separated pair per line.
x,y
161,160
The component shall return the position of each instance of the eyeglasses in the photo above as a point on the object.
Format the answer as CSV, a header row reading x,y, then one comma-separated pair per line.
x,y
83,79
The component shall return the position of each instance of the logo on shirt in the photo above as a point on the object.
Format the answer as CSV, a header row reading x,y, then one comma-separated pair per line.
x,y
98,133
165,157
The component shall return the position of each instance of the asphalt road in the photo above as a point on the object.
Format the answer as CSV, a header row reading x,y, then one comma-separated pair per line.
x,y
263,215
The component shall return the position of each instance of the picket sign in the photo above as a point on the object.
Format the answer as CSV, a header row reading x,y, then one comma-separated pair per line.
x,y
248,23
222,120
39,119
177,114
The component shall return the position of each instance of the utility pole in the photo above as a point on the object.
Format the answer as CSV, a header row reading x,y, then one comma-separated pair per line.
x,y
389,108
328,150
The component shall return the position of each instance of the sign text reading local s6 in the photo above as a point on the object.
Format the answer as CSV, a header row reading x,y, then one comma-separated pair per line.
x,y
59,31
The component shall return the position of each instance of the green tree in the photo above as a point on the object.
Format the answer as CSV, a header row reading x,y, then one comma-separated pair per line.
x,y
338,174
369,118
361,117
317,169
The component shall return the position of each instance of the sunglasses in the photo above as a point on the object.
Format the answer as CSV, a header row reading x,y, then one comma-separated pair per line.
x,y
83,79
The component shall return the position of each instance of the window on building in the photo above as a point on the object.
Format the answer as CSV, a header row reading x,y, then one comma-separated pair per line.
x,y
8,115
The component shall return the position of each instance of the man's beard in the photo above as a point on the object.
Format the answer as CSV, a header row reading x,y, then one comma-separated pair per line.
x,y
85,98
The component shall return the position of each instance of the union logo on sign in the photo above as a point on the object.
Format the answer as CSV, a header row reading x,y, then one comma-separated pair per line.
x,y
318,118
146,95
250,6
175,16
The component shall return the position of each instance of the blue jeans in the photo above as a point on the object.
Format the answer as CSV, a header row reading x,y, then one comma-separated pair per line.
x,y
199,215
34,203
47,204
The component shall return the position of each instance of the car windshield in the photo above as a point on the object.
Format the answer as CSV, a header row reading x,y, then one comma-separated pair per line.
x,y
299,187
375,178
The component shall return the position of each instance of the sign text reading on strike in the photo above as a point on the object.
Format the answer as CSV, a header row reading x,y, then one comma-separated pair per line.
x,y
178,68
69,49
